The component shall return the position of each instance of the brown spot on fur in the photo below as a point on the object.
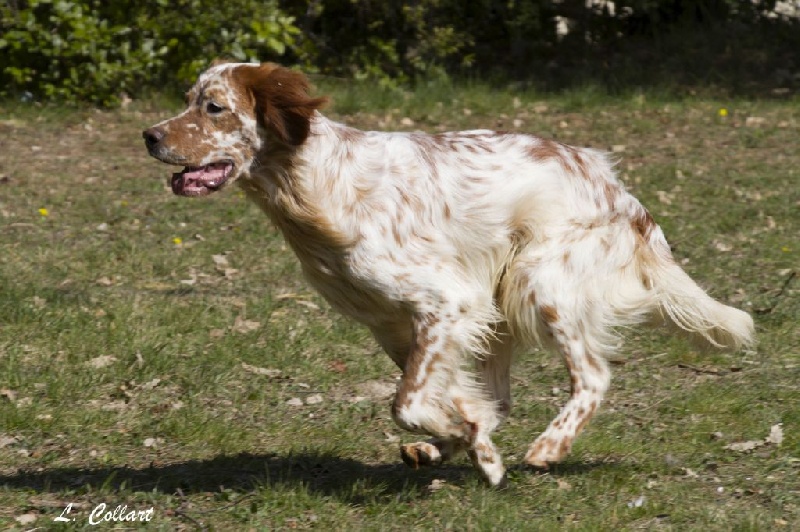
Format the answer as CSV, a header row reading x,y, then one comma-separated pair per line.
x,y
574,383
442,142
580,163
593,363
643,223
610,191
539,447
545,149
472,427
425,150
422,341
485,454
486,459
548,313
564,447
585,419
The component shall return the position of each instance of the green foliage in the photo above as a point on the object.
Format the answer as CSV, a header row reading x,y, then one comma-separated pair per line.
x,y
395,42
96,50
92,50
65,50
245,30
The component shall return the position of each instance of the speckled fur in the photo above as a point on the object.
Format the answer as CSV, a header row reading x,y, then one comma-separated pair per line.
x,y
456,250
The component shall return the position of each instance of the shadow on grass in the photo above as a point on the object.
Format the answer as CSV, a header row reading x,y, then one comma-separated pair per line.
x,y
325,474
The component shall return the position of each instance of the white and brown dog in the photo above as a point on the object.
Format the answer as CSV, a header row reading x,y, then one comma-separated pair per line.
x,y
456,250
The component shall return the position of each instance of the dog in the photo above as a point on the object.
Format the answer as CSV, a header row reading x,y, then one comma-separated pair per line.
x,y
456,250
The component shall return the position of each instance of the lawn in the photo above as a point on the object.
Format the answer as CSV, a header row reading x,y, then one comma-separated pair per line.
x,y
162,352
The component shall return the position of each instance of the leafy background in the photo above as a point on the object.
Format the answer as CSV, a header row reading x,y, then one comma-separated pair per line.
x,y
102,52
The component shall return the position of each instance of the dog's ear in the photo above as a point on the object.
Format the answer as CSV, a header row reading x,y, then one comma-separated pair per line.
x,y
282,101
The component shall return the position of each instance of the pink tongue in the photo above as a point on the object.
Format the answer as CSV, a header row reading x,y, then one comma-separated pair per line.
x,y
207,175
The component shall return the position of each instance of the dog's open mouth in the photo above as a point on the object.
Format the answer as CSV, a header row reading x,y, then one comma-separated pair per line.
x,y
201,180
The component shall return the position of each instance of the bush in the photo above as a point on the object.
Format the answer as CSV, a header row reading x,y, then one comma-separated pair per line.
x,y
399,41
94,50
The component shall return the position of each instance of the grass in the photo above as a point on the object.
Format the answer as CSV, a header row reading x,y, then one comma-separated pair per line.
x,y
166,353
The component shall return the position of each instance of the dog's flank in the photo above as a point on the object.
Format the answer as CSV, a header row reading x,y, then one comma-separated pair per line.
x,y
456,250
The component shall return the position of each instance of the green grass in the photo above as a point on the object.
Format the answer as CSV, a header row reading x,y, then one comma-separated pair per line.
x,y
129,354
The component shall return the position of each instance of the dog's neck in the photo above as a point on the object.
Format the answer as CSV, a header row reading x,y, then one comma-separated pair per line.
x,y
286,183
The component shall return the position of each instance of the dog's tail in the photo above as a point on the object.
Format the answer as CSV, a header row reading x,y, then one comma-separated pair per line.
x,y
686,305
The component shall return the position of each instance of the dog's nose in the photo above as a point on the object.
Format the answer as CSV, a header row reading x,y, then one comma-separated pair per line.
x,y
152,136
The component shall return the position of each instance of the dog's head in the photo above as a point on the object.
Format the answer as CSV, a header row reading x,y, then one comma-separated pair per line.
x,y
235,111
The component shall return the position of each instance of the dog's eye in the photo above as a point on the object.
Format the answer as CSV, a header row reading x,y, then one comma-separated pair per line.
x,y
214,109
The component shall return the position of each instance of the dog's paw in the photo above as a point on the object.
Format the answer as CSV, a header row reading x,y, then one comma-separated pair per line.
x,y
420,454
546,451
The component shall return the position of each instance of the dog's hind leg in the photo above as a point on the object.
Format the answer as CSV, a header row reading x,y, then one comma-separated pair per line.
x,y
553,299
589,379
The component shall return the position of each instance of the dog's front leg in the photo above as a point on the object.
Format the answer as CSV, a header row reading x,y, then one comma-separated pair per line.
x,y
438,396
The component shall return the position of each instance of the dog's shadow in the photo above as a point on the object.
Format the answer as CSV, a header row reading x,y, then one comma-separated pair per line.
x,y
347,480
325,474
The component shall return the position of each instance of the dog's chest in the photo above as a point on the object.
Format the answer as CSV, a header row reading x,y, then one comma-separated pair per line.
x,y
327,251
328,264
357,296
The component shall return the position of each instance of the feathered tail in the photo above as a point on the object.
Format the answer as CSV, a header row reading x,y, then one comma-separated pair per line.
x,y
689,307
